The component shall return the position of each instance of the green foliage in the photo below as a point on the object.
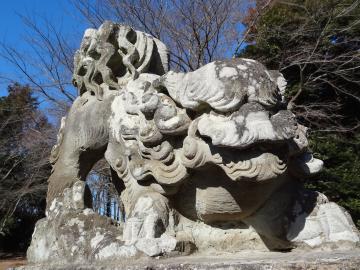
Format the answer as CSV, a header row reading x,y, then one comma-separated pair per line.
x,y
340,180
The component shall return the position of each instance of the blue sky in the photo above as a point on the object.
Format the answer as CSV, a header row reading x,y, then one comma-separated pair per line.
x,y
12,29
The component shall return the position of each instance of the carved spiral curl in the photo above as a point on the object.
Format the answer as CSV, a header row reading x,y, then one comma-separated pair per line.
x,y
121,166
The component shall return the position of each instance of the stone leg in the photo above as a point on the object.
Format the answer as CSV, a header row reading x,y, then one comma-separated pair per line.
x,y
148,218
82,141
147,212
147,226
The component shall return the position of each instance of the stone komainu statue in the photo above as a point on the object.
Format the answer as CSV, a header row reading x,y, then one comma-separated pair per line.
x,y
207,160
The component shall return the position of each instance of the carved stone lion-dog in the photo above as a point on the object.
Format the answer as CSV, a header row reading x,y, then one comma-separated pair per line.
x,y
208,160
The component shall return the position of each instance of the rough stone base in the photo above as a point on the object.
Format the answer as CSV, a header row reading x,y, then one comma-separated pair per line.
x,y
329,260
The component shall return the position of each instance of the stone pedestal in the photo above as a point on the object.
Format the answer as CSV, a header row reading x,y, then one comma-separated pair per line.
x,y
244,260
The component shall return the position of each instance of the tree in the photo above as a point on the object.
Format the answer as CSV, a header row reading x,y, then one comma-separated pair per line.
x,y
316,44
24,151
105,198
47,65
196,32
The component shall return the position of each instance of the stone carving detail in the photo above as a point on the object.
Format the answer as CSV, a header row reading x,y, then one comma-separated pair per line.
x,y
213,151
54,155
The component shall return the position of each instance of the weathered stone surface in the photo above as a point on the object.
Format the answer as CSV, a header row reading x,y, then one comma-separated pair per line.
x,y
77,234
349,260
207,161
